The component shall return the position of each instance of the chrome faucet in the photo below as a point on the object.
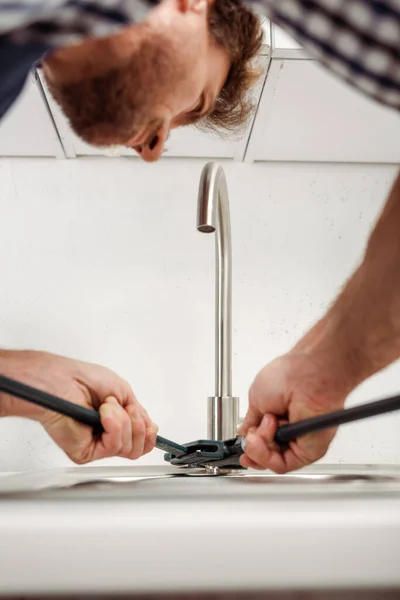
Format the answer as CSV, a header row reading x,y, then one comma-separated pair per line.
x,y
213,216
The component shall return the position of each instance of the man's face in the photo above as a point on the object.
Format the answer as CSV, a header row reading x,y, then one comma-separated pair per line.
x,y
132,88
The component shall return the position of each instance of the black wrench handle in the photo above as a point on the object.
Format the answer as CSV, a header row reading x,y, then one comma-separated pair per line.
x,y
40,398
83,415
288,433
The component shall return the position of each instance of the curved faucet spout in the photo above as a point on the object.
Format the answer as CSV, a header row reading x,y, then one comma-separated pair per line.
x,y
213,216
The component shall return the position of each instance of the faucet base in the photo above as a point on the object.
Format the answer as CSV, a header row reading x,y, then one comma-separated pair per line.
x,y
222,417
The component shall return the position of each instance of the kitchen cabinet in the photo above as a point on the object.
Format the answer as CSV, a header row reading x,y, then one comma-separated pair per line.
x,y
183,142
27,129
308,114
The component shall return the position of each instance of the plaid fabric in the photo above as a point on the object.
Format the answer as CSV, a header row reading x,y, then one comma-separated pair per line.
x,y
61,22
359,40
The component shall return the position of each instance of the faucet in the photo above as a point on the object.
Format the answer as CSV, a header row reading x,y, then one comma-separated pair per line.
x,y
213,216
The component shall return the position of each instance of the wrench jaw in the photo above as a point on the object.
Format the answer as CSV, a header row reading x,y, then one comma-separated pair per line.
x,y
212,455
198,453
234,448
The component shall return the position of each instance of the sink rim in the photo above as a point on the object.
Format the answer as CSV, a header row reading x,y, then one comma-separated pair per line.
x,y
141,482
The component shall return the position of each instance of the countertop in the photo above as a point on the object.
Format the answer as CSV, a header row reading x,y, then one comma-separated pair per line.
x,y
144,529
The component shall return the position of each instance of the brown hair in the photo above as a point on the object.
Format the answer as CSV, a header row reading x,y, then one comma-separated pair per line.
x,y
238,30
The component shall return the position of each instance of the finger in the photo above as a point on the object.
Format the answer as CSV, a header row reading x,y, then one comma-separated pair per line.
x,y
273,456
254,415
267,431
151,438
245,461
144,413
145,416
260,443
111,440
138,431
252,419
265,452
261,448
151,431
126,427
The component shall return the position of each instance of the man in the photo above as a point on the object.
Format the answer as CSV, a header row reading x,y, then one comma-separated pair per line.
x,y
360,41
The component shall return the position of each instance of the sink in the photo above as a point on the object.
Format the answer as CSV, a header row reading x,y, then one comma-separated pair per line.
x,y
138,483
164,529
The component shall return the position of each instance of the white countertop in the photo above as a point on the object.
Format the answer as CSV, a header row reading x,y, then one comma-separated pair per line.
x,y
198,533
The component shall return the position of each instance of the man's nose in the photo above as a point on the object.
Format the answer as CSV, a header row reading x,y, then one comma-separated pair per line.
x,y
153,148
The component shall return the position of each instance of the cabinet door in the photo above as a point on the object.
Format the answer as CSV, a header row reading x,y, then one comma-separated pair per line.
x,y
27,129
183,142
308,114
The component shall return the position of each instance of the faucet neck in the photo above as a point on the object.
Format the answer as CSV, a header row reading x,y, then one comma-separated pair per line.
x,y
213,216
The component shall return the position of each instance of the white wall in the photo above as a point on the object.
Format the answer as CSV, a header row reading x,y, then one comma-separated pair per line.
x,y
101,261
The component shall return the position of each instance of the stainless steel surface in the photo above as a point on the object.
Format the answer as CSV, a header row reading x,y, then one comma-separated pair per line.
x,y
213,216
136,483
222,417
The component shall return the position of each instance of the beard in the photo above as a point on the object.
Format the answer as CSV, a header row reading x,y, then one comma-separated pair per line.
x,y
111,108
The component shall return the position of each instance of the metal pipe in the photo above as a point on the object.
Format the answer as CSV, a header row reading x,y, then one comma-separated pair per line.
x,y
213,216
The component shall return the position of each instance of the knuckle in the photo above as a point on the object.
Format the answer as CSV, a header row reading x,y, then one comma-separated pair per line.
x,y
136,452
115,450
278,469
261,467
113,439
113,446
139,428
149,444
78,460
75,459
121,415
147,448
124,453
263,463
152,431
124,418
124,383
126,390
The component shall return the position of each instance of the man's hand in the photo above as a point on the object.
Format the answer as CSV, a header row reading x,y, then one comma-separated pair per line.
x,y
358,336
128,430
290,389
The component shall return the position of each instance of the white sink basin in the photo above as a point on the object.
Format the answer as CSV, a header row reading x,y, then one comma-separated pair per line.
x,y
162,529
